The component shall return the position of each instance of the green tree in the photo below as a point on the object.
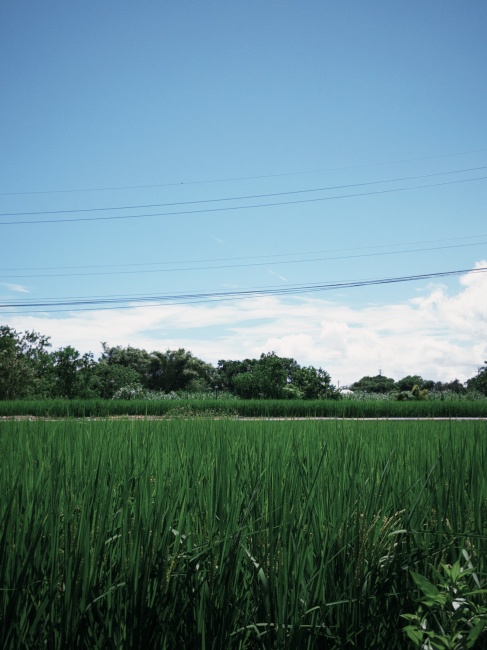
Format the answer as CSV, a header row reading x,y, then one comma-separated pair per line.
x,y
175,370
407,383
312,383
479,382
377,384
264,378
72,373
456,386
246,386
274,377
129,357
271,375
227,373
24,363
107,379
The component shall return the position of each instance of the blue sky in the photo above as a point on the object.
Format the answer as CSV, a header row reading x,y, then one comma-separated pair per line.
x,y
356,130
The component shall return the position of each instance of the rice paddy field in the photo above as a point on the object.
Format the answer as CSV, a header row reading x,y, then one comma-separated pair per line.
x,y
344,408
204,533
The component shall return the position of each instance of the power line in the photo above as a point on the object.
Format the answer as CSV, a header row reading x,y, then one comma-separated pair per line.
x,y
242,178
247,265
248,257
241,207
240,198
211,297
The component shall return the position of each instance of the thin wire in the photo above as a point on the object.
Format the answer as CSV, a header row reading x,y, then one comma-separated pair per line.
x,y
242,178
241,207
232,259
248,265
232,295
240,198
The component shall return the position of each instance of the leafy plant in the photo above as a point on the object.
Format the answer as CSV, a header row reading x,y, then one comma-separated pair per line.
x,y
447,616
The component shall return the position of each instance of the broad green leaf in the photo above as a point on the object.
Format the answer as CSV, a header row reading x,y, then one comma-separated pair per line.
x,y
475,632
414,634
428,589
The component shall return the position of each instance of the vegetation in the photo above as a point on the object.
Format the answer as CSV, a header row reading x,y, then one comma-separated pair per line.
x,y
30,370
206,405
449,615
228,534
274,377
479,382
378,384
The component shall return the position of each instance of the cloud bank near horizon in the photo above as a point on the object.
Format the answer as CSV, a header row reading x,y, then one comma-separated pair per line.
x,y
440,335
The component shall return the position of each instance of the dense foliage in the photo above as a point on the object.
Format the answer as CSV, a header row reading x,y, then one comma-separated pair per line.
x,y
479,382
29,369
236,535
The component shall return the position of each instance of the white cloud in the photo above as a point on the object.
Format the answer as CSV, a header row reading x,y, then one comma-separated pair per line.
x,y
19,288
438,335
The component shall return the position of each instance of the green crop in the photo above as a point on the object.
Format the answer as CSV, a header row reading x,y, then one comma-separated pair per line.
x,y
199,533
345,408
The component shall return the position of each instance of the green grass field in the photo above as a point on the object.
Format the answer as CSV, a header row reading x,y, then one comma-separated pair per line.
x,y
344,408
231,534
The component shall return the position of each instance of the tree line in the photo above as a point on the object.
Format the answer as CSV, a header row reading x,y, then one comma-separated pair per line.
x,y
415,387
30,369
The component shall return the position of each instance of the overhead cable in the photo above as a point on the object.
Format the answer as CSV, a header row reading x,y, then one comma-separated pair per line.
x,y
241,178
241,258
235,266
240,198
240,207
157,300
